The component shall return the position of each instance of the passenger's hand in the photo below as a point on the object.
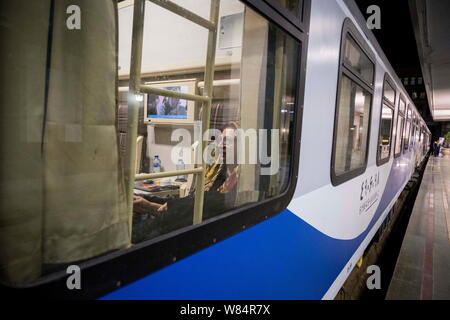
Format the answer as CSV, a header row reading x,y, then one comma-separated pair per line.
x,y
139,205
208,186
137,200
163,207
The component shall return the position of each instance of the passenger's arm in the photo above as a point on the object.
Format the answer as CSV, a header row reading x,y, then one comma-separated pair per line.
x,y
140,205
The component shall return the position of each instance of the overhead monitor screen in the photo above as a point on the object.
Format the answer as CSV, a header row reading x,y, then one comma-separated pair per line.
x,y
159,107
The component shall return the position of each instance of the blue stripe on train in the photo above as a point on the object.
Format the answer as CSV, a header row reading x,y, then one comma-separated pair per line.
x,y
281,258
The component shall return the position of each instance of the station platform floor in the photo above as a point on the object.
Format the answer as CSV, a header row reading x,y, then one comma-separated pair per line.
x,y
422,271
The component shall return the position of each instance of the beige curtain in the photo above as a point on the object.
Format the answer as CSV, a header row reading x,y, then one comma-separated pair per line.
x,y
63,199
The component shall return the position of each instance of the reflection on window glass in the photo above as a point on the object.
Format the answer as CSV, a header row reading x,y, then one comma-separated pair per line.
x,y
402,106
389,92
406,136
237,174
76,204
384,145
417,133
407,132
398,135
358,60
352,127
292,5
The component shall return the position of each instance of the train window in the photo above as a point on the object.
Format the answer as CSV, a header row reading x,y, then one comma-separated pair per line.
x,y
353,121
426,140
386,123
293,6
420,140
384,144
269,76
353,110
75,207
417,135
296,11
389,92
400,126
418,129
358,61
402,106
407,131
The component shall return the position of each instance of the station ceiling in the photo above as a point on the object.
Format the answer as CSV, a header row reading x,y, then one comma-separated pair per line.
x,y
432,31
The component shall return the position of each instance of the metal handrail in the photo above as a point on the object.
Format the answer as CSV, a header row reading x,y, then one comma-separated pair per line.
x,y
173,94
206,113
135,88
141,177
173,7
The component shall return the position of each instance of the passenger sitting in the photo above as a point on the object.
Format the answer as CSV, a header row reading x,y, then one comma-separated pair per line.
x,y
220,194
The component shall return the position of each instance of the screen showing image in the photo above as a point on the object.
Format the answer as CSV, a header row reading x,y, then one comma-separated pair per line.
x,y
159,107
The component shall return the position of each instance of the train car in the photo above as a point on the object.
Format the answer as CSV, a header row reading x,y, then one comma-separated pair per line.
x,y
326,140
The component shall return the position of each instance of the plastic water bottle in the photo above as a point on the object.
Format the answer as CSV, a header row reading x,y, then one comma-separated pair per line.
x,y
156,165
181,166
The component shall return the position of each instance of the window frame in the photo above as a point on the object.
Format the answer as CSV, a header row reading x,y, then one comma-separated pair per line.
x,y
110,271
390,104
420,140
349,28
400,114
413,128
416,129
296,19
406,146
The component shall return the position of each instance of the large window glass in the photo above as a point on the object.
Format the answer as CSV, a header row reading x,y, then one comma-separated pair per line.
x,y
293,6
402,106
413,129
351,145
353,113
358,60
418,130
386,123
389,92
67,130
251,123
407,132
384,144
400,127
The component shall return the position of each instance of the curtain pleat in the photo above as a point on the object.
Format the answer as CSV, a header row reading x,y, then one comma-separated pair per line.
x,y
62,200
